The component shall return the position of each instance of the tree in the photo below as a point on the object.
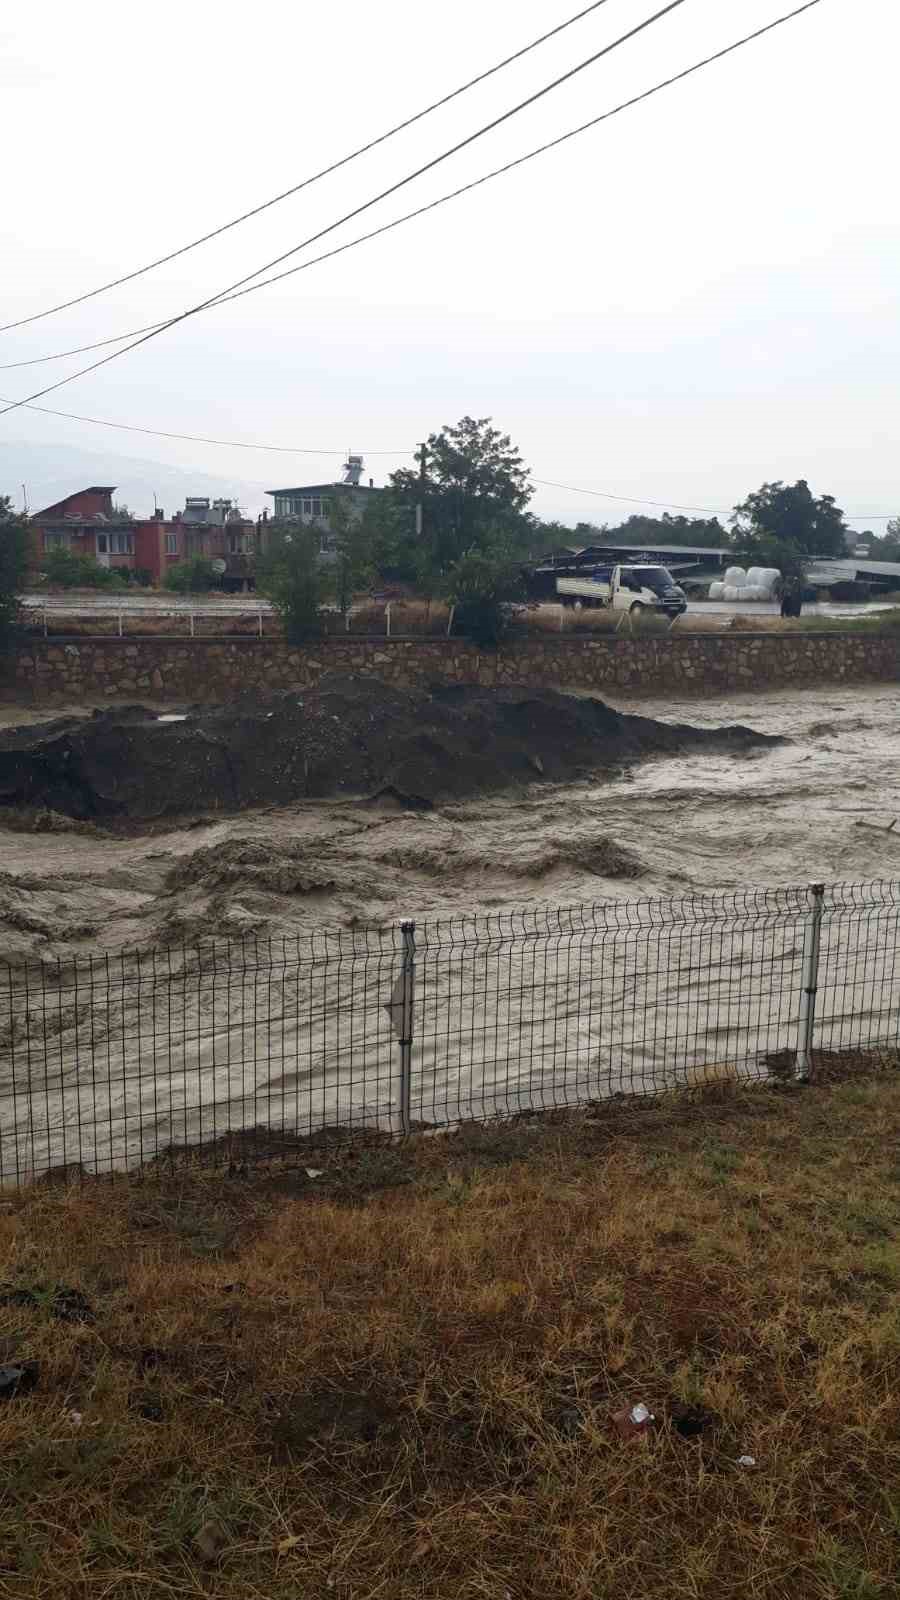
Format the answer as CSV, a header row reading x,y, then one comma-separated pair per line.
x,y
389,528
473,488
291,572
886,548
789,514
14,546
192,577
705,532
353,568
480,586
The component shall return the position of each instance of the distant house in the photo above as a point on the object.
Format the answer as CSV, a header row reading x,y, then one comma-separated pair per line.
x,y
311,503
87,524
212,530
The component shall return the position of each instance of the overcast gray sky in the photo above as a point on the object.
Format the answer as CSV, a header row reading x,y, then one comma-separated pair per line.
x,y
690,299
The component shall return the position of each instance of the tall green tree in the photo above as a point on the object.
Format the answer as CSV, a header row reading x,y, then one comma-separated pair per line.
x,y
790,514
474,490
14,549
353,563
296,579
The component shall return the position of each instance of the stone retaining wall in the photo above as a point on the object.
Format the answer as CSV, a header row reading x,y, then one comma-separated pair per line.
x,y
101,669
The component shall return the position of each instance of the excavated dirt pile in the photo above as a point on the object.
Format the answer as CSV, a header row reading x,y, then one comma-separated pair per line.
x,y
349,735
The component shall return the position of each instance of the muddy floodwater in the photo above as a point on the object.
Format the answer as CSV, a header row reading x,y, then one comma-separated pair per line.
x,y
815,808
812,808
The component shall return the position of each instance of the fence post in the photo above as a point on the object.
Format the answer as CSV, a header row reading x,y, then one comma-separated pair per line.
x,y
812,934
120,624
402,1017
387,620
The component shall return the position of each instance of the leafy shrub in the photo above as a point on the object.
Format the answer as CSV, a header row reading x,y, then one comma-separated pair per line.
x,y
192,577
67,570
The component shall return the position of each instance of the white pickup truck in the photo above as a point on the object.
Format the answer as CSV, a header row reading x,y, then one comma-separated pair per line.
x,y
632,589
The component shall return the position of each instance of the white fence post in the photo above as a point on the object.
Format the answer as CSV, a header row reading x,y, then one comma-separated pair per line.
x,y
400,1011
387,620
812,937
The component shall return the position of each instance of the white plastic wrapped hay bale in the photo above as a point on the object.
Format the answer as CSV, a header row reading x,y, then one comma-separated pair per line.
x,y
755,578
735,578
716,590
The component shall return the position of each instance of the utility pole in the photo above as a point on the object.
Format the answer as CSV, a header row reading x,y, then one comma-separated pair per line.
x,y
423,456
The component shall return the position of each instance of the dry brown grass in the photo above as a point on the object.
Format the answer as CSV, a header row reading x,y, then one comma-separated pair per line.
x,y
397,1380
566,620
136,624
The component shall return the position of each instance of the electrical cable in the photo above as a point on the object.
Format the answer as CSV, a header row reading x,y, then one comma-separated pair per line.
x,y
462,144
432,205
603,494
306,183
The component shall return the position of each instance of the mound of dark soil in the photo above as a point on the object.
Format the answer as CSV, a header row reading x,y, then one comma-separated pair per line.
x,y
349,735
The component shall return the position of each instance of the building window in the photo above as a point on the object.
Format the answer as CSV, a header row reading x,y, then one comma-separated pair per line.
x,y
326,508
171,544
307,508
120,544
102,544
56,541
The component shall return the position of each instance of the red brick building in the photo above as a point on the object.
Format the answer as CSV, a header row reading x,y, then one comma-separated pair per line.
x,y
87,524
211,530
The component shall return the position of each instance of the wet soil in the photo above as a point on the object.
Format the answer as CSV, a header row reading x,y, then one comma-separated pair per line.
x,y
349,735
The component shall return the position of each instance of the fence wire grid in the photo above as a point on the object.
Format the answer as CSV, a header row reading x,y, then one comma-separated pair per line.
x,y
110,1061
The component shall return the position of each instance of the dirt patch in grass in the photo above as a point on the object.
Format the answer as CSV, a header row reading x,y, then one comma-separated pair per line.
x,y
299,1385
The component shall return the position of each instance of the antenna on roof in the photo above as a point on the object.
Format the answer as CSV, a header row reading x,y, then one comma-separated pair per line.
x,y
352,470
24,500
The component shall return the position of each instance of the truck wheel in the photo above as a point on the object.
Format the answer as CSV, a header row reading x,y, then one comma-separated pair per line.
x,y
636,610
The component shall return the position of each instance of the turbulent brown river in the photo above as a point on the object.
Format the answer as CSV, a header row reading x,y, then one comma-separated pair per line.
x,y
815,808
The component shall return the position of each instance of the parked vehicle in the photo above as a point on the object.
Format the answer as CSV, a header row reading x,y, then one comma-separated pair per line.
x,y
632,589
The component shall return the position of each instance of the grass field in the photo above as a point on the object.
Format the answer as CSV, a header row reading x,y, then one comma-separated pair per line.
x,y
397,1378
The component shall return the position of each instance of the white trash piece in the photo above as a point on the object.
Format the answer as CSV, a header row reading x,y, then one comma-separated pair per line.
x,y
746,1461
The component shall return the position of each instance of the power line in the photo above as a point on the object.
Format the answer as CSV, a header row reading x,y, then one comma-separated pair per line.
x,y
397,221
306,183
305,450
432,205
604,494
197,438
427,167
672,505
